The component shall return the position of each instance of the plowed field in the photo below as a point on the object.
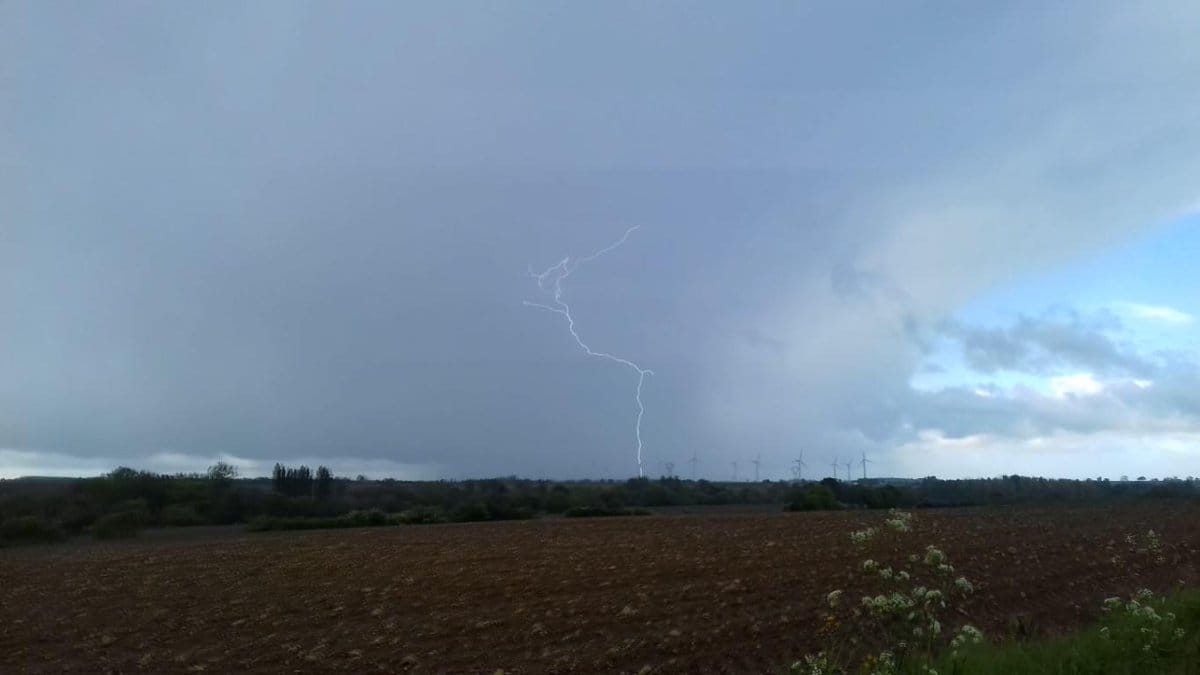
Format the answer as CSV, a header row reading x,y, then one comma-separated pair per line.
x,y
688,593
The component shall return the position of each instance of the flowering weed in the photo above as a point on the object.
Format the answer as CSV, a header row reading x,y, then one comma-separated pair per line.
x,y
899,625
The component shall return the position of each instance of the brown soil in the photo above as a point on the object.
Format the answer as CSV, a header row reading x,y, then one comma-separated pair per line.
x,y
688,593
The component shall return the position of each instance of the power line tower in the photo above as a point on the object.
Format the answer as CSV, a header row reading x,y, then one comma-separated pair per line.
x,y
835,467
865,462
694,461
756,461
670,469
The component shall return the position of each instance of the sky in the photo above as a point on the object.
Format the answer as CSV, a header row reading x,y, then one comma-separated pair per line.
x,y
956,238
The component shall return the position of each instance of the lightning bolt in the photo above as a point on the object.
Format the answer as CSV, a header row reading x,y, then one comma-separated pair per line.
x,y
550,282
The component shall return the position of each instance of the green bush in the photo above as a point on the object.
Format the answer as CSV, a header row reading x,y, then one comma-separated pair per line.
x,y
814,498
370,518
602,512
77,516
120,525
503,509
557,501
28,530
181,515
139,506
420,516
468,513
269,524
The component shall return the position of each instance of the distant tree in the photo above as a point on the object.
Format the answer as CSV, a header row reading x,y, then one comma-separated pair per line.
x,y
222,471
324,486
123,473
295,482
279,479
303,484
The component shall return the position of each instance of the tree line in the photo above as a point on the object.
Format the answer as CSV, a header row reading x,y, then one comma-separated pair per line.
x,y
125,499
299,482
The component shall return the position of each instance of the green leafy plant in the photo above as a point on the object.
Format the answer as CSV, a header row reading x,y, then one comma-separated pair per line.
x,y
1142,634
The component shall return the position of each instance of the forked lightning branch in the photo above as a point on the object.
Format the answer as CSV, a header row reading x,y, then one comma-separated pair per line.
x,y
550,283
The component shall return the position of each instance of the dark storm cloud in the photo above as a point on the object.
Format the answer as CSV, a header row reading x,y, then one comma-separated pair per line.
x,y
301,230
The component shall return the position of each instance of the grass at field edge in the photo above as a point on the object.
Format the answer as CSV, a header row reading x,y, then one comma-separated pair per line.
x,y
1115,646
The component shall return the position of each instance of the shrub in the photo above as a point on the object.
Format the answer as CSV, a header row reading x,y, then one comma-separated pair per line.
x,y
28,530
122,524
1142,634
77,516
470,513
371,518
139,506
556,502
602,512
500,509
420,515
900,627
281,506
268,524
814,498
181,515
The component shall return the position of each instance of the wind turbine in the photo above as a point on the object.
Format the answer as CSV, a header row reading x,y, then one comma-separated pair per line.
x,y
756,461
865,462
800,466
734,463
694,461
848,465
835,467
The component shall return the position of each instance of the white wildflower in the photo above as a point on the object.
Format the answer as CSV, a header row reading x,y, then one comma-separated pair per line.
x,y
934,555
860,537
899,521
968,634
